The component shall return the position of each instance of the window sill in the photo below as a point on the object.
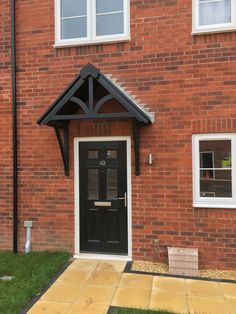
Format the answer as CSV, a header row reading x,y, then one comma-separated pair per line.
x,y
197,205
210,31
89,42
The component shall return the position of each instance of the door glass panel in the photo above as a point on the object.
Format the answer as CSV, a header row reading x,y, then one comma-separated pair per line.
x,y
111,154
112,184
93,190
93,154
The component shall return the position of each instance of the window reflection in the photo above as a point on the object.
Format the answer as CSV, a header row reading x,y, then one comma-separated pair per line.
x,y
215,169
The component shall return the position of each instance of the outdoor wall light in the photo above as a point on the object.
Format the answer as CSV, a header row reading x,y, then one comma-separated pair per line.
x,y
150,161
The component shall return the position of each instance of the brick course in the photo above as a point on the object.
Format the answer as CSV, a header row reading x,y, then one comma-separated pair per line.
x,y
188,81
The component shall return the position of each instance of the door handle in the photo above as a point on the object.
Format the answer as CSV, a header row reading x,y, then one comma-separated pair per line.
x,y
124,198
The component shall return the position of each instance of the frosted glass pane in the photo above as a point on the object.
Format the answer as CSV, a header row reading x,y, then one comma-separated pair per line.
x,y
105,6
74,28
214,12
93,154
110,24
93,189
112,183
73,8
111,154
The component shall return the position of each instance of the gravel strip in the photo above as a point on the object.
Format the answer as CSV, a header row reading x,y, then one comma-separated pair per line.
x,y
161,268
218,274
150,267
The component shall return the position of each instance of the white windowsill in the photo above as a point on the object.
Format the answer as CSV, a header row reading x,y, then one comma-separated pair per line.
x,y
89,42
216,30
197,205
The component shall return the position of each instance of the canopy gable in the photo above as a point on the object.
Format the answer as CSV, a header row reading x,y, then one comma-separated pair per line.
x,y
85,97
93,95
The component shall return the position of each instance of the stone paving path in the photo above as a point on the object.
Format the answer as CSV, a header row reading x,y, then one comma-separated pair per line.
x,y
90,287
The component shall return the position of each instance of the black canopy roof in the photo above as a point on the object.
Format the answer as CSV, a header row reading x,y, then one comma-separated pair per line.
x,y
86,97
92,95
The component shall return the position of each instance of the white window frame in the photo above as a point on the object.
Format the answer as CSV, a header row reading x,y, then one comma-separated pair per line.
x,y
91,27
212,202
214,28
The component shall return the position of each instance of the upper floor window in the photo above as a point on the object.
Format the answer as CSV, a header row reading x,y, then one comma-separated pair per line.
x,y
214,170
214,15
91,21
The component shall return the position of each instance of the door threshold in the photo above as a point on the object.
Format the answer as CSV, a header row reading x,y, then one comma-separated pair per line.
x,y
103,257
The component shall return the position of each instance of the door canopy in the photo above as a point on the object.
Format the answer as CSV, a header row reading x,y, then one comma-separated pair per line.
x,y
93,95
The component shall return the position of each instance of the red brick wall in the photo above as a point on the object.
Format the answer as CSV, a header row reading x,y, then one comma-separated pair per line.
x,y
5,129
188,81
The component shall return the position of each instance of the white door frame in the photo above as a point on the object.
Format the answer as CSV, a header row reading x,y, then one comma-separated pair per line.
x,y
77,140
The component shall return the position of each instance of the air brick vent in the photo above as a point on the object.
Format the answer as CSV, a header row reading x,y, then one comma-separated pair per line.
x,y
183,261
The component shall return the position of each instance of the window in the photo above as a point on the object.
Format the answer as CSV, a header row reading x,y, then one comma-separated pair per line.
x,y
214,170
80,22
214,15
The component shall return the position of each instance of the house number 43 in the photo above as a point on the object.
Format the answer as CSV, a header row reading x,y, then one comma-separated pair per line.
x,y
102,163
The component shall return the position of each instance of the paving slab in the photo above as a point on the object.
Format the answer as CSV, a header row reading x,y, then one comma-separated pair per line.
x,y
92,294
133,281
169,300
169,284
229,290
49,307
231,305
91,286
207,305
203,288
78,308
134,298
104,278
62,292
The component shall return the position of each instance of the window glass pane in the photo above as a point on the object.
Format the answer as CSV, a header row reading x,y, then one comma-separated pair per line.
x,y
93,154
207,161
110,24
74,28
214,12
93,190
73,8
105,6
112,183
215,168
219,184
111,154
215,154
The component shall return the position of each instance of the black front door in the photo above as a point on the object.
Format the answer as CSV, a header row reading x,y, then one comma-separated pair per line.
x,y
103,197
